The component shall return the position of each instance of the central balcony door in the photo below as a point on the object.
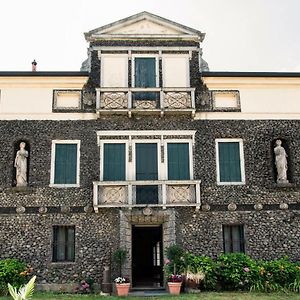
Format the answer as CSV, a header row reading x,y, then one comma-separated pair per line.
x,y
146,169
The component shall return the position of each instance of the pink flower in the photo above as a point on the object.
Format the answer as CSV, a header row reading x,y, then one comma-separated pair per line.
x,y
246,269
167,261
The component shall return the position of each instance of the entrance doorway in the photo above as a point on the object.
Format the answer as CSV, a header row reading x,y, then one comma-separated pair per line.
x,y
147,256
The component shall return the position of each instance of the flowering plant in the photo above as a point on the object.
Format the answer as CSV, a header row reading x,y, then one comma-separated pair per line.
x,y
120,280
175,278
83,287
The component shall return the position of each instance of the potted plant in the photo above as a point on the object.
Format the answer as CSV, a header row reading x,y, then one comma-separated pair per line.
x,y
122,283
173,265
174,284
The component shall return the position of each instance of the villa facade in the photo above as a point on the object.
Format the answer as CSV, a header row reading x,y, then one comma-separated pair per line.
x,y
143,148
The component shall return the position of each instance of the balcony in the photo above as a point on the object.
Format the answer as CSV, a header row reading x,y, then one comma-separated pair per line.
x,y
145,101
157,193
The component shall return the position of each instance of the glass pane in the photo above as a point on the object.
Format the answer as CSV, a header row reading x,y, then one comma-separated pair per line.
x,y
146,162
178,161
229,162
65,164
145,75
114,162
147,194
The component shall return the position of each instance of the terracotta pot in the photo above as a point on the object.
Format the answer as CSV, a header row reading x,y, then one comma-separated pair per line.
x,y
122,289
174,287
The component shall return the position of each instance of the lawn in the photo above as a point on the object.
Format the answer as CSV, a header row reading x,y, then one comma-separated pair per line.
x,y
201,296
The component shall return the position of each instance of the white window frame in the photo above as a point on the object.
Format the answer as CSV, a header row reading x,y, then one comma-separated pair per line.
x,y
242,161
52,173
134,56
177,141
159,164
102,143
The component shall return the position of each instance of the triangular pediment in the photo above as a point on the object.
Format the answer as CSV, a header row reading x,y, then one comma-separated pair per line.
x,y
143,25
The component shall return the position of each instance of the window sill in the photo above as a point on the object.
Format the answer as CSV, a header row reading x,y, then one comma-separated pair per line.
x,y
230,183
64,185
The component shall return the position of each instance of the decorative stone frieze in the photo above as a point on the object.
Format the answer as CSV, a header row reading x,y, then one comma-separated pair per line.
x,y
205,207
114,100
177,100
113,194
20,209
180,194
144,104
258,206
43,210
232,206
284,206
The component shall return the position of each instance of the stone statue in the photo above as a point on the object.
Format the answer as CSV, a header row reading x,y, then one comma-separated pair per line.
x,y
21,165
280,162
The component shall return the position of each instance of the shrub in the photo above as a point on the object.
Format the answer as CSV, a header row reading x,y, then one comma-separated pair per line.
x,y
175,260
13,271
277,274
202,264
236,271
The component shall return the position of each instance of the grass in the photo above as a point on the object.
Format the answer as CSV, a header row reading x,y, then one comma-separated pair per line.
x,y
201,296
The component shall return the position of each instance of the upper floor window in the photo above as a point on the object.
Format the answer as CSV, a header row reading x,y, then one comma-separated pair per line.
x,y
65,163
233,238
230,161
63,244
146,158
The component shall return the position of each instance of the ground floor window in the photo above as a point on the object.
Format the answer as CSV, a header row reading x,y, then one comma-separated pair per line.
x,y
63,243
233,238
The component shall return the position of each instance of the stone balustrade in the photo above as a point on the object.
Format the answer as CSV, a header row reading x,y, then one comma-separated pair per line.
x,y
145,100
156,193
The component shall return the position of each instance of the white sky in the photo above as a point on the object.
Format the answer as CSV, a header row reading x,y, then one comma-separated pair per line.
x,y
241,35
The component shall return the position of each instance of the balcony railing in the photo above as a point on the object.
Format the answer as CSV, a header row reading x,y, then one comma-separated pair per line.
x,y
145,100
157,193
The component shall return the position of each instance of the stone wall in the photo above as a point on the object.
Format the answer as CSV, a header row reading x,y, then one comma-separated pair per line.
x,y
29,237
270,232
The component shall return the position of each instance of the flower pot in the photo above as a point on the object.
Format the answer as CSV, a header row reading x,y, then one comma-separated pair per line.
x,y
122,289
174,287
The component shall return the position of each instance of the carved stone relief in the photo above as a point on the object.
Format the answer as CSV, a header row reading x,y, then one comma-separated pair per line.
x,y
114,100
113,194
177,100
180,194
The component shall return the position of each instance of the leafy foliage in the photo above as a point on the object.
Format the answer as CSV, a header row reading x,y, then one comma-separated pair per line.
x,y
119,258
13,271
25,292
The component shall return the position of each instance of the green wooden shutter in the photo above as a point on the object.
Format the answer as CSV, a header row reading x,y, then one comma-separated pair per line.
x,y
178,161
114,162
146,161
229,162
145,74
65,164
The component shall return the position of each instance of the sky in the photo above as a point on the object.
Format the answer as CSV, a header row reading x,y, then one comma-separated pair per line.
x,y
241,35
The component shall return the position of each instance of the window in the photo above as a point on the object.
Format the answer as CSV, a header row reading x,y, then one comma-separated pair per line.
x,y
230,161
114,162
65,163
63,243
233,238
178,161
145,75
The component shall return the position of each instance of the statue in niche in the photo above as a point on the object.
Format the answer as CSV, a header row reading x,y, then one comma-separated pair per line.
x,y
21,165
280,162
